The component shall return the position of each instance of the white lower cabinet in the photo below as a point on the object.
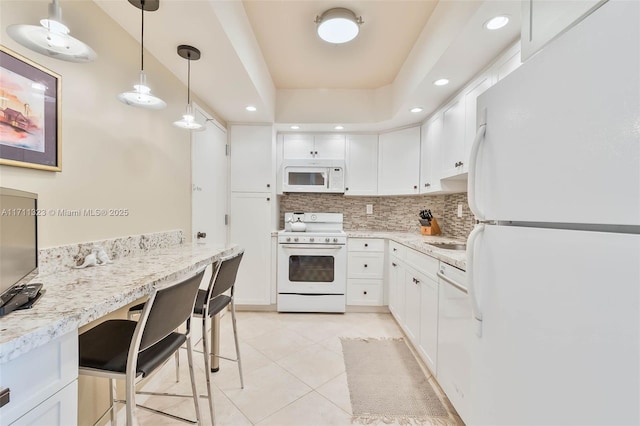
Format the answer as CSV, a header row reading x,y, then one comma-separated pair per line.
x,y
250,228
413,298
43,384
365,272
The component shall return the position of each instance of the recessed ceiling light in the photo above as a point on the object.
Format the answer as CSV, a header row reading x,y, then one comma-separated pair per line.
x,y
295,127
251,108
339,127
441,82
497,22
416,109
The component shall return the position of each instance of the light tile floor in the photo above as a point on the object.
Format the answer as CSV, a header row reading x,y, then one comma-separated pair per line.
x,y
294,371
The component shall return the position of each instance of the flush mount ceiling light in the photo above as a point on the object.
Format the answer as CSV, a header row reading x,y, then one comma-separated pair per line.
x,y
141,95
188,120
52,38
497,22
416,109
441,82
338,25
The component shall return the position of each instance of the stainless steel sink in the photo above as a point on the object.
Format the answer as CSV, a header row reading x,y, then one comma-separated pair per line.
x,y
449,246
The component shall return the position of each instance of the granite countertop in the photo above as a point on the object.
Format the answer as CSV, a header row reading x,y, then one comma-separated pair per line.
x,y
457,258
76,297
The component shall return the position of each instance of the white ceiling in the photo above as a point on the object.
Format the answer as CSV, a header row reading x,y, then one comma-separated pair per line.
x,y
266,53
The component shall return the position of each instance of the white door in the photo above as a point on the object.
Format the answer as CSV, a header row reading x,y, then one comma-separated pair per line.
x,y
209,167
250,223
560,334
362,165
399,162
561,146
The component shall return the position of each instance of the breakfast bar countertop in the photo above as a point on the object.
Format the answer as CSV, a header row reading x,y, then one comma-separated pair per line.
x,y
77,297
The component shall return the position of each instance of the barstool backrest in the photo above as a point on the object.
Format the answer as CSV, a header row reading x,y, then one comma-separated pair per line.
x,y
166,310
224,276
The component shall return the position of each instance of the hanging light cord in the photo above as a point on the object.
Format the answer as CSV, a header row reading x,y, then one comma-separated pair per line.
x,y
142,37
189,78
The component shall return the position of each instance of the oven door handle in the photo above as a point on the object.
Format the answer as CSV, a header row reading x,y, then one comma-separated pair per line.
x,y
311,246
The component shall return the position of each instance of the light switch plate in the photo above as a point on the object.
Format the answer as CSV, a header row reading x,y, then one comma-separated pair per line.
x,y
369,208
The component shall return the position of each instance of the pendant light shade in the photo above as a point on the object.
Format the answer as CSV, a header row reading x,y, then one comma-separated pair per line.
x,y
52,38
338,25
188,120
141,95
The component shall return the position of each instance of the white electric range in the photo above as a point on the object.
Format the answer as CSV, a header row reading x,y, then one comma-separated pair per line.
x,y
312,264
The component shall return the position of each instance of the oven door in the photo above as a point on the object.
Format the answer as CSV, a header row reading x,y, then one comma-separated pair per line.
x,y
312,269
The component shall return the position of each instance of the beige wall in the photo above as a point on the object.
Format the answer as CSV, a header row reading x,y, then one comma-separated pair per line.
x,y
113,155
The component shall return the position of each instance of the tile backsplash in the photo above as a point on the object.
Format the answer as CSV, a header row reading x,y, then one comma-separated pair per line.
x,y
389,213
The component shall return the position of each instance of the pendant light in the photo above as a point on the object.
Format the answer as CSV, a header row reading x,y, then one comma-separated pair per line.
x,y
52,38
141,95
188,120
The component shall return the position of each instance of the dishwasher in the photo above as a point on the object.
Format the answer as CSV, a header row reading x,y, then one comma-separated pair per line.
x,y
454,337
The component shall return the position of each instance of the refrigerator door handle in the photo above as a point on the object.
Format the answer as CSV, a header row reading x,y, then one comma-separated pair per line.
x,y
471,176
471,285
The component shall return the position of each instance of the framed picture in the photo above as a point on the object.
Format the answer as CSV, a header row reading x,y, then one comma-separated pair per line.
x,y
29,114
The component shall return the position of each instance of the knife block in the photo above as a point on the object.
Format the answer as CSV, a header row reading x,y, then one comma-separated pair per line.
x,y
434,229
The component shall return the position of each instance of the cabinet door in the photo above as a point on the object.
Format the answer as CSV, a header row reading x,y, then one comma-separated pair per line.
x,y
329,147
250,228
412,305
470,100
58,410
362,165
543,20
430,155
399,162
396,289
251,158
507,64
297,146
428,345
453,139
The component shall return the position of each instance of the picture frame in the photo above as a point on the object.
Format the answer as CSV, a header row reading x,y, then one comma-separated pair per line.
x,y
29,113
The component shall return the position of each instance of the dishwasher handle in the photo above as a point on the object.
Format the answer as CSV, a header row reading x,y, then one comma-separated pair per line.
x,y
453,283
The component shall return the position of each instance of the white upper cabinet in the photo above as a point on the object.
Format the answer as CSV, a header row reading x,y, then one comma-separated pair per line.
x,y
543,20
430,155
296,146
453,123
506,64
399,162
362,165
252,158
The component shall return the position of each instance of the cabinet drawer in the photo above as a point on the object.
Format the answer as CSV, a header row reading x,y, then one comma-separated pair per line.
x,y
365,265
423,263
366,244
364,292
397,250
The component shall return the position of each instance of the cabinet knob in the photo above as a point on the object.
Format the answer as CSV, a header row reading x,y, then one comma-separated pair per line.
x,y
366,244
315,153
427,185
395,249
461,163
364,292
415,186
393,264
311,152
346,189
365,265
268,185
268,199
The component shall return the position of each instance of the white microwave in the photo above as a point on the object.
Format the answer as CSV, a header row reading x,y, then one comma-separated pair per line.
x,y
313,176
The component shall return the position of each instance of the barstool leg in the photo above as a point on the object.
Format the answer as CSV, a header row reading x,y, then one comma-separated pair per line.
x,y
235,336
112,395
131,400
177,356
207,367
193,380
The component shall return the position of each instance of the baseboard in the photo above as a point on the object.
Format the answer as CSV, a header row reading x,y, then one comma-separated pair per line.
x,y
368,309
257,308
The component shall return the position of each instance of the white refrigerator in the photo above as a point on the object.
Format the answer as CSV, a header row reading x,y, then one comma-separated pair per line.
x,y
554,265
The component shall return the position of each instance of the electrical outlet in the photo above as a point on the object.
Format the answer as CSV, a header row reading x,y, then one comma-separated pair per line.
x,y
459,210
369,208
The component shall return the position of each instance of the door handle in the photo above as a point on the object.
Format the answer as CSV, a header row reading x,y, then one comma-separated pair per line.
x,y
471,176
471,286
